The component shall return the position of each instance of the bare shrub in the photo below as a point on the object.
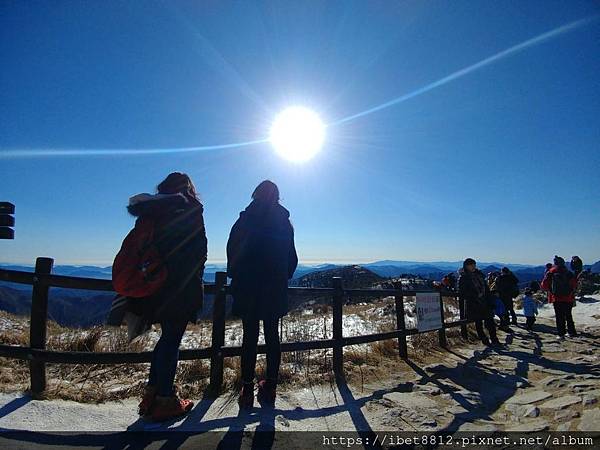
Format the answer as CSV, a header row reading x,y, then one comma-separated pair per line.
x,y
385,349
76,340
193,371
423,343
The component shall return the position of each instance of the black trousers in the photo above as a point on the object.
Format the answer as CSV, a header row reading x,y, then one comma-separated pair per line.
x,y
529,322
564,318
509,309
249,343
490,325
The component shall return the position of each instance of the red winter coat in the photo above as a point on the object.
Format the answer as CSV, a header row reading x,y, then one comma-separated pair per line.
x,y
547,285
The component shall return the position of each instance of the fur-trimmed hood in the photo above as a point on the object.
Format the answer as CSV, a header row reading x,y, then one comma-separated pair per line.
x,y
158,204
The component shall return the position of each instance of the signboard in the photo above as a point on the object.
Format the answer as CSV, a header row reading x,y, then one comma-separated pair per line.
x,y
7,220
429,315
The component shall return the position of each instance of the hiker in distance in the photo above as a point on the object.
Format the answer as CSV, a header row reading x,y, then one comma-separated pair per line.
x,y
530,308
561,284
474,291
165,286
576,265
507,286
261,258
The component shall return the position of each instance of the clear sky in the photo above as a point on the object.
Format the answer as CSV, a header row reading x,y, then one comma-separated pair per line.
x,y
499,163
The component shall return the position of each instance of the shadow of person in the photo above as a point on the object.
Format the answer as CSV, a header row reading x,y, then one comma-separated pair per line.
x,y
589,339
483,389
191,421
264,436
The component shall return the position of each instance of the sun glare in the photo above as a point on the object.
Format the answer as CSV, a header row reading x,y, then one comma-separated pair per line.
x,y
297,134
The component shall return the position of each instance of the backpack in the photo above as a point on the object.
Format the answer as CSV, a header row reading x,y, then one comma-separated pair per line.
x,y
561,283
139,270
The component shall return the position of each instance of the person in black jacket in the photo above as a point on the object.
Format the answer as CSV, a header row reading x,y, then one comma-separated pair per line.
x,y
507,285
261,258
474,291
180,238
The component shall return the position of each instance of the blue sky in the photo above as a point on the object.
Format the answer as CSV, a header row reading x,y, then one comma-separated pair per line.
x,y
499,164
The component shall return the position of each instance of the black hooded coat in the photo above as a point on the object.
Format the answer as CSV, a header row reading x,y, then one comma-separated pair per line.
x,y
261,258
473,289
507,285
180,238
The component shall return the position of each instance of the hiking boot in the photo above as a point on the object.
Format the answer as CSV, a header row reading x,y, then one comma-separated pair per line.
x,y
267,392
147,400
506,329
165,408
246,398
496,343
485,341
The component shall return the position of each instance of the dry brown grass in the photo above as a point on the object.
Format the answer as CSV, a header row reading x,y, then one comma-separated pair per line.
x,y
75,340
98,383
17,337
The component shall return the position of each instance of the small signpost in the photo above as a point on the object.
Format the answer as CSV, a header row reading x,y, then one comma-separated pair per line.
x,y
7,220
428,311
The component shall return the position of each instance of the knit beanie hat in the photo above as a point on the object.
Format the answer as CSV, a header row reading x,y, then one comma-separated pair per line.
x,y
468,262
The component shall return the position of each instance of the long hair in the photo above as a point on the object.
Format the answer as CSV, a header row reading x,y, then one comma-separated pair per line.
x,y
266,192
177,182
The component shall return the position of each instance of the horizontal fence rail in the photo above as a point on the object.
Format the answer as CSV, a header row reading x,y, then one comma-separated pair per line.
x,y
42,280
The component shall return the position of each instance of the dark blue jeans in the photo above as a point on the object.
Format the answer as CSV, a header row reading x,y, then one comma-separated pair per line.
x,y
165,357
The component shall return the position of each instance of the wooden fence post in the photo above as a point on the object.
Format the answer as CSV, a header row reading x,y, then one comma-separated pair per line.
x,y
338,349
38,323
442,331
400,321
462,315
218,333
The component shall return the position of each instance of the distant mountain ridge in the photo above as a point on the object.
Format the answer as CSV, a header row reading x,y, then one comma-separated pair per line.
x,y
383,268
354,277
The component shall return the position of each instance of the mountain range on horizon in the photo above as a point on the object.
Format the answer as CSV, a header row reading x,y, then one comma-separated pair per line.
x,y
384,268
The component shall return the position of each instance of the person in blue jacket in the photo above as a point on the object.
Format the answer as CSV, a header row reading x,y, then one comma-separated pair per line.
x,y
530,309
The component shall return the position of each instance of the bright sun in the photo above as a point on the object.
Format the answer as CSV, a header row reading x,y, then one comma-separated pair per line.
x,y
297,133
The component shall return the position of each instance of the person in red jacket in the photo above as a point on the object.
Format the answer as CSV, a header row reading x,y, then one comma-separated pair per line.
x,y
561,284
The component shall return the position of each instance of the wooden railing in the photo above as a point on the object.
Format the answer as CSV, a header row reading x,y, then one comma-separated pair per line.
x,y
42,280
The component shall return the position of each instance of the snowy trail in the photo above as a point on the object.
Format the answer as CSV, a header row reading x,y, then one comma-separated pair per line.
x,y
536,383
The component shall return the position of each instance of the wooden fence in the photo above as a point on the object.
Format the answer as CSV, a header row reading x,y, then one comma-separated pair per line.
x,y
42,280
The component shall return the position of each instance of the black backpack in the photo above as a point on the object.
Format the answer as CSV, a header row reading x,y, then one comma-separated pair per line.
x,y
561,283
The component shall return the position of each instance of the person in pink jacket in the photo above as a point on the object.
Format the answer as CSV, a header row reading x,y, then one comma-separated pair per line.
x,y
561,284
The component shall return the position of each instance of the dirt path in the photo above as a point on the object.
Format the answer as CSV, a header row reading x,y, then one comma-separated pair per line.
x,y
536,382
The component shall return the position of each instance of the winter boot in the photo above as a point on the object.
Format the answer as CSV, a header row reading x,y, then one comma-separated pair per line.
x,y
267,392
147,400
246,398
496,342
165,408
